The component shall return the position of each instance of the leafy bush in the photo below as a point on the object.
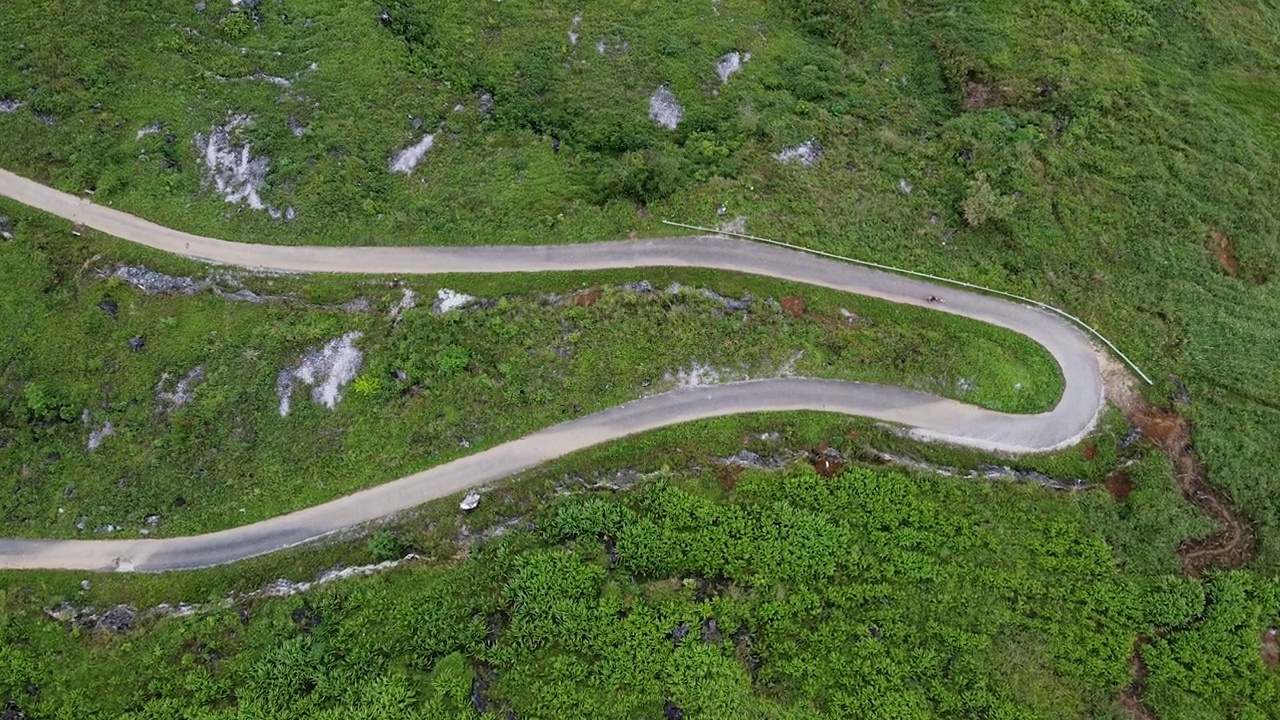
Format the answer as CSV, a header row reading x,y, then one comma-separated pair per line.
x,y
451,360
983,204
385,545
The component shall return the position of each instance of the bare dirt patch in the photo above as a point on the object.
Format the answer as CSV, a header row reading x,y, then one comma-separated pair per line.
x,y
588,297
1130,699
1271,647
1225,250
1119,484
793,306
980,95
825,461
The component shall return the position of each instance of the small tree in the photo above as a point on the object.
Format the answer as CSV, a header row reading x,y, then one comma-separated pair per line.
x,y
983,203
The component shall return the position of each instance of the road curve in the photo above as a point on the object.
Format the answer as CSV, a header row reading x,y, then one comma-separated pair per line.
x,y
929,417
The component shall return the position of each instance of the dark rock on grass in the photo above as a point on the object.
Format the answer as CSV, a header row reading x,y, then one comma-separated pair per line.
x,y
179,501
306,617
641,286
711,634
137,343
611,549
154,283
671,712
6,227
109,307
52,458
680,632
11,711
118,619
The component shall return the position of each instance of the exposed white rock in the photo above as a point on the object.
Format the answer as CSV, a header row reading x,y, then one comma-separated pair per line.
x,y
448,300
806,153
407,159
470,502
729,64
325,370
230,166
663,108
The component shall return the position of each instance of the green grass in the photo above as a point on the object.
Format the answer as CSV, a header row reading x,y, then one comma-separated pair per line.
x,y
1122,133
946,597
472,379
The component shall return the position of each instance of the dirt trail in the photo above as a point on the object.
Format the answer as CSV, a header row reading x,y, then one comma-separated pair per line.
x,y
1232,546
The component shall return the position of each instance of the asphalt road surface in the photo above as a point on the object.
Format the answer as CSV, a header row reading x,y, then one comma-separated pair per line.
x,y
928,417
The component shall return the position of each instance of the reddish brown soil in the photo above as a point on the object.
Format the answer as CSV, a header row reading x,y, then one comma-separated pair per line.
x,y
1270,648
1225,250
588,297
1118,484
1130,698
793,306
825,463
728,476
1232,546
980,96
1089,451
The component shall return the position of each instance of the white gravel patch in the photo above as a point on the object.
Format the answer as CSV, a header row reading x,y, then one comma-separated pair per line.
x,y
8,106
449,300
151,129
663,108
326,370
97,436
182,392
407,302
696,375
407,159
230,167
806,153
729,64
573,27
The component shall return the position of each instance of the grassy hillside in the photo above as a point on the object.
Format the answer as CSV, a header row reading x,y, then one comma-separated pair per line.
x,y
1117,158
868,594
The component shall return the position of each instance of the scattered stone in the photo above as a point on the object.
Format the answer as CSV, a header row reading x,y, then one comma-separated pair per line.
x,y
52,458
179,501
9,106
671,712
326,370
680,632
407,302
730,304
486,102
640,286
201,6
97,436
85,585
663,108
166,400
230,167
729,64
1180,395
6,227
154,283
573,27
295,127
448,300
806,153
905,186
109,307
137,343
470,502
711,634
152,129
45,118
406,160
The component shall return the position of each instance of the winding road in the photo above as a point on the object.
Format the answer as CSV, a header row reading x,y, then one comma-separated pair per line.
x,y
929,417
